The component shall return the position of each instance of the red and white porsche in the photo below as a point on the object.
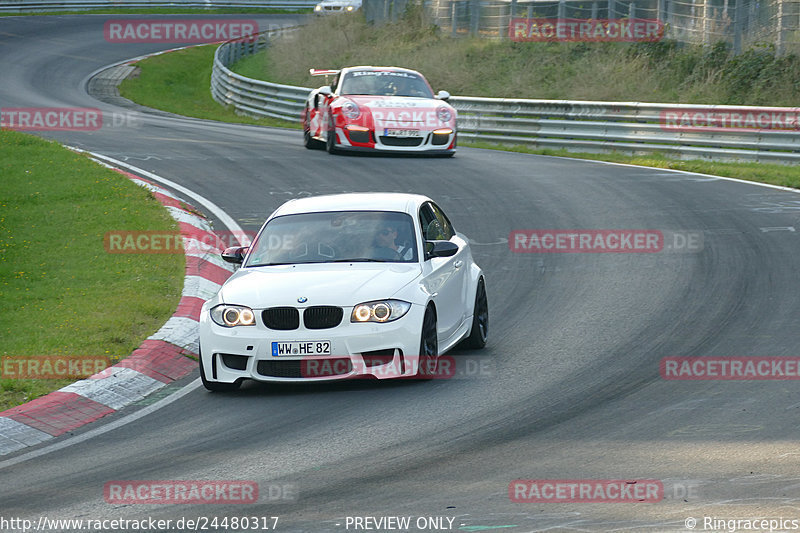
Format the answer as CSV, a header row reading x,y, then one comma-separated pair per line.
x,y
379,109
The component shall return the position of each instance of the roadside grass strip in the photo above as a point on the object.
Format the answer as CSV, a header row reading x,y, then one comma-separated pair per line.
x,y
62,294
180,82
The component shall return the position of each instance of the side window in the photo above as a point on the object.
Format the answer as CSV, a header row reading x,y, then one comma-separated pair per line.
x,y
447,230
431,230
335,82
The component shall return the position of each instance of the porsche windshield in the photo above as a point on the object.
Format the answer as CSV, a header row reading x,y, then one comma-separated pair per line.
x,y
385,83
340,236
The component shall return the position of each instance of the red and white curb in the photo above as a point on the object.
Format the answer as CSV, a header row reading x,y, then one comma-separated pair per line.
x,y
160,360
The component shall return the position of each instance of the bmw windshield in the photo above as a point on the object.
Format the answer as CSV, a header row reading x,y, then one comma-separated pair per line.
x,y
335,237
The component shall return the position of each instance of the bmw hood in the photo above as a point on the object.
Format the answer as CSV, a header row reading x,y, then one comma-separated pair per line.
x,y
343,285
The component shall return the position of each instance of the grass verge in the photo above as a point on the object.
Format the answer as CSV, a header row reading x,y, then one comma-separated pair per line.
x,y
62,294
180,82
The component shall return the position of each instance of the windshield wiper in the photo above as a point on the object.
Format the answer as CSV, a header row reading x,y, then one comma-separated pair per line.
x,y
359,260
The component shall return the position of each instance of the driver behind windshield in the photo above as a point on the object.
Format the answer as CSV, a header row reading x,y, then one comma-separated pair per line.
x,y
385,247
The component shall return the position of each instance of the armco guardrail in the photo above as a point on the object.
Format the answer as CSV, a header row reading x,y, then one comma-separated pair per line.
x,y
577,126
14,6
253,97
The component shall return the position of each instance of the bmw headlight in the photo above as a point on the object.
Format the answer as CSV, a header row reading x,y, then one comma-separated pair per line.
x,y
351,110
317,7
349,8
444,114
379,311
229,316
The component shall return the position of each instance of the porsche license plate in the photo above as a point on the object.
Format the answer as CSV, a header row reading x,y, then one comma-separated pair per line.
x,y
392,132
299,348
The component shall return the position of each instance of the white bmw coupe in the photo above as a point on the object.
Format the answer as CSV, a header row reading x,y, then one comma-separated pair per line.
x,y
374,285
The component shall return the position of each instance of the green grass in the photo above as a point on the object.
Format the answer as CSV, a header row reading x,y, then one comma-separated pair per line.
x,y
61,293
180,82
167,11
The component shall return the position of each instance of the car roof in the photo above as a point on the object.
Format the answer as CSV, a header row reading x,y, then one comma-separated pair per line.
x,y
367,201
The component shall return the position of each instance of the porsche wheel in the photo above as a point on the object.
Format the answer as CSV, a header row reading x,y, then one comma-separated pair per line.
x,y
216,386
330,140
428,347
480,319
308,141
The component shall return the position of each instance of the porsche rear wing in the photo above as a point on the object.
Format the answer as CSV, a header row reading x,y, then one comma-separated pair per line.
x,y
323,72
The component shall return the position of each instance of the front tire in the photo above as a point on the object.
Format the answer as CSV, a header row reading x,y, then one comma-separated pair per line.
x,y
428,347
216,386
480,319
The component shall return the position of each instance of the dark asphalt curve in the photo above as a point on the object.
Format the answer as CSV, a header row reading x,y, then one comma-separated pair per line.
x,y
572,390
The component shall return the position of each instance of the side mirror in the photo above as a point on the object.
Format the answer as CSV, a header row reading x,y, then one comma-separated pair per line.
x,y
326,90
235,254
440,249
443,95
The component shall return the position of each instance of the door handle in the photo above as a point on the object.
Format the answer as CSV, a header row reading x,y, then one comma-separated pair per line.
x,y
458,263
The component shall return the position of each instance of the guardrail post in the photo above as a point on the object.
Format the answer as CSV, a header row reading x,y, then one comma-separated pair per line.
x,y
738,15
706,36
779,31
474,16
512,10
453,19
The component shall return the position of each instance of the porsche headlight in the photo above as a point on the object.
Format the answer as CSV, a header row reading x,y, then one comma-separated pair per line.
x,y
379,311
444,114
229,316
349,8
351,110
317,7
